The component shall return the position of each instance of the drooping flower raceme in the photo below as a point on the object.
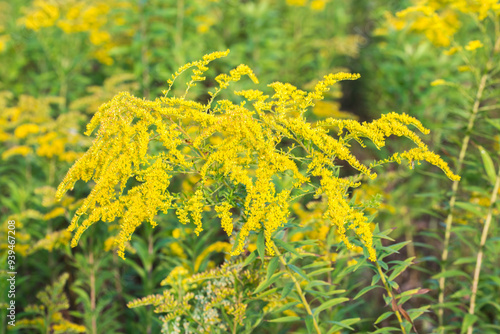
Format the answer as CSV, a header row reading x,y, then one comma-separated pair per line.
x,y
141,145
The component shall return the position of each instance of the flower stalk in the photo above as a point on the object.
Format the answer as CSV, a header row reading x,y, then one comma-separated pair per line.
x,y
389,293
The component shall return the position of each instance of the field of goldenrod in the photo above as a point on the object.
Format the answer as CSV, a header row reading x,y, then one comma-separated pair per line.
x,y
258,166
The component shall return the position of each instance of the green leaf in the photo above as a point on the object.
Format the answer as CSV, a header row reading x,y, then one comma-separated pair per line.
x,y
320,271
267,282
399,245
317,264
329,304
271,268
489,167
266,293
469,207
314,283
383,235
383,317
417,312
334,292
286,246
450,273
387,330
299,271
365,290
310,324
463,260
469,320
400,268
342,324
250,259
286,319
285,307
286,290
261,247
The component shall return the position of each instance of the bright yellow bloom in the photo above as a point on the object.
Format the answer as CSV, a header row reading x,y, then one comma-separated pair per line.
x,y
318,4
299,3
473,45
25,130
17,150
438,82
225,216
43,14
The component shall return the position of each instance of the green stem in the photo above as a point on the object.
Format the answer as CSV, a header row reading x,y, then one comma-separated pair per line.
x,y
299,290
93,314
389,293
484,236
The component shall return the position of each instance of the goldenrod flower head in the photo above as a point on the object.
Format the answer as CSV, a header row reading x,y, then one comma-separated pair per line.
x,y
318,4
16,150
473,45
298,3
25,130
43,14
438,82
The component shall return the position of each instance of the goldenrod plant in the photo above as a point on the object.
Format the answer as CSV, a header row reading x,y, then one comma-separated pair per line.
x,y
241,156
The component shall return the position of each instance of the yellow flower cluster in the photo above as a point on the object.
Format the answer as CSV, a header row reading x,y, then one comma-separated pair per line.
x,y
131,182
225,216
77,16
473,45
43,14
317,5
439,20
29,127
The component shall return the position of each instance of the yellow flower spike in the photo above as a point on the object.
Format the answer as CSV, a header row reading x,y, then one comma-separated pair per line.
x,y
225,216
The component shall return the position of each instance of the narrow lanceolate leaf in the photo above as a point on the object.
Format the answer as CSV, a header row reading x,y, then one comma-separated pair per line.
x,y
365,290
286,290
469,207
400,268
320,271
299,271
329,304
489,167
285,307
271,268
383,317
310,324
250,259
469,320
286,319
267,282
342,324
286,246
450,273
261,247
